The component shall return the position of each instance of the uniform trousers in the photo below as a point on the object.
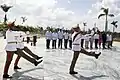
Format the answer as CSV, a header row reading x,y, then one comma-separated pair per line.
x,y
65,43
54,44
76,55
60,43
47,43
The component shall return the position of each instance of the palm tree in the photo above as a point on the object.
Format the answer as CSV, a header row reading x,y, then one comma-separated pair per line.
x,y
5,8
23,19
114,23
106,14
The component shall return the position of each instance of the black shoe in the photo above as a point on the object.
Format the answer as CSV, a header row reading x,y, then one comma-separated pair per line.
x,y
16,67
39,58
73,72
6,76
36,63
97,55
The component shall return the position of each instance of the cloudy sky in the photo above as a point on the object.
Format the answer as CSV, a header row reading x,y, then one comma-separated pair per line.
x,y
62,13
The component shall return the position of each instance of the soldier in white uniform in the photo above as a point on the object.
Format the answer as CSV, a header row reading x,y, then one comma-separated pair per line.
x,y
60,38
54,39
48,36
76,47
66,37
20,46
11,48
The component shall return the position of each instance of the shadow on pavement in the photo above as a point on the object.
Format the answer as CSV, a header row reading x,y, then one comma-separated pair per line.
x,y
80,77
19,75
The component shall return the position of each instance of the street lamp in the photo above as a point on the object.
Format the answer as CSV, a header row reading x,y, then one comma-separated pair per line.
x,y
5,8
23,19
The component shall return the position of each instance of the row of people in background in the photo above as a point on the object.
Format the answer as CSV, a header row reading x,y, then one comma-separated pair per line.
x,y
88,40
60,37
99,39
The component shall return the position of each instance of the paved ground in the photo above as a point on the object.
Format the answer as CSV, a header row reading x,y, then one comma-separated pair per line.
x,y
28,71
56,65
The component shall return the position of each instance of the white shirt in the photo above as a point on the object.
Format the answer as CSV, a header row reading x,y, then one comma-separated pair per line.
x,y
54,36
60,35
70,36
92,36
83,37
76,44
66,36
87,37
109,38
48,35
11,36
96,36
20,43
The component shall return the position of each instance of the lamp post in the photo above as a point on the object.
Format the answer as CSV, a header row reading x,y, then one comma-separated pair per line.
x,y
5,8
23,19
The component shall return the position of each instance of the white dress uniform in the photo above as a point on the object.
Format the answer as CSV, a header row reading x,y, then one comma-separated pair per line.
x,y
48,35
66,35
96,36
87,37
11,38
109,38
70,36
54,36
60,35
20,43
76,44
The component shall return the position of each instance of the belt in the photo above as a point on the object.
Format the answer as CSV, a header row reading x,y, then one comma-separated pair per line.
x,y
12,42
76,44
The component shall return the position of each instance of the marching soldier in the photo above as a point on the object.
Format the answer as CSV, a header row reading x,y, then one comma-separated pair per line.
x,y
20,46
11,48
76,47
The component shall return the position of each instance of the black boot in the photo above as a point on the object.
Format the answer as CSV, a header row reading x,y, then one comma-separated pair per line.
x,y
73,72
6,76
97,55
36,63
39,58
16,67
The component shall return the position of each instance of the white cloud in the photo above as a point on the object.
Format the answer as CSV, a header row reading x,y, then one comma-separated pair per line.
x,y
40,12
